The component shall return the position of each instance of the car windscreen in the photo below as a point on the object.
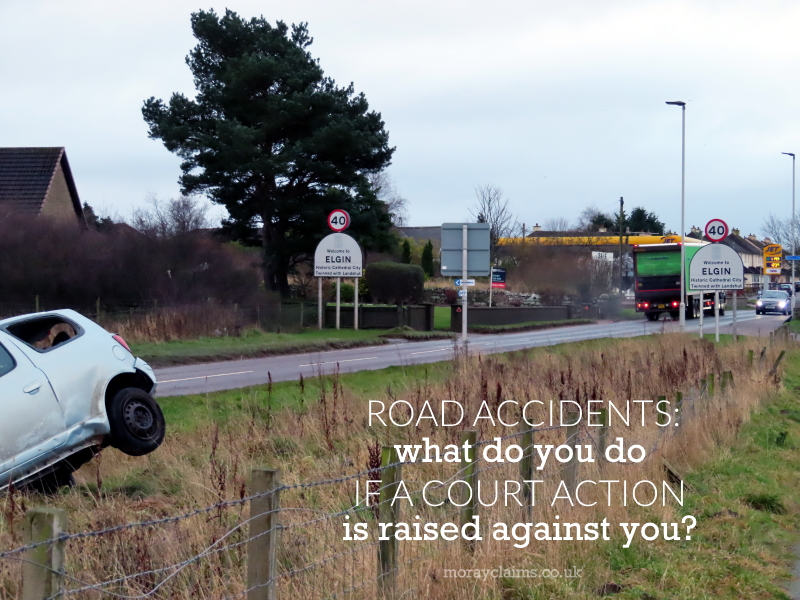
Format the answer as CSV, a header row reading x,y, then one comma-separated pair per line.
x,y
780,295
44,333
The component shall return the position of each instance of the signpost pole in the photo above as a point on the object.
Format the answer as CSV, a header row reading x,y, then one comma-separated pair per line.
x,y
320,308
735,302
464,241
491,287
702,310
338,301
355,303
716,315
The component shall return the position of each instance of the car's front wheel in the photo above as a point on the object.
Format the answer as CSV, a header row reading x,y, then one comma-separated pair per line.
x,y
137,423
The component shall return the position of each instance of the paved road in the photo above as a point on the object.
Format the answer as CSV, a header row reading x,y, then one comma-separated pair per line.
x,y
210,377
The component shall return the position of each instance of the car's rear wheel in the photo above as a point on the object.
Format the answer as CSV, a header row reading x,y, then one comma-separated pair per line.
x,y
137,423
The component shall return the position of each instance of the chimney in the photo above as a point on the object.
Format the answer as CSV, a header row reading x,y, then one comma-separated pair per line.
x,y
601,230
752,238
736,232
537,228
696,232
767,240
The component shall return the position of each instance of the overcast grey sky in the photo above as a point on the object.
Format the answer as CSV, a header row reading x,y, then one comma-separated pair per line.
x,y
561,104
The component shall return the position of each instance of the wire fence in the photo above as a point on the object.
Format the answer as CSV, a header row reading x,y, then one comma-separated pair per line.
x,y
339,537
333,538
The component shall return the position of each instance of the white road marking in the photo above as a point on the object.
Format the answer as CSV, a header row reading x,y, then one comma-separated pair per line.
x,y
339,361
429,351
205,377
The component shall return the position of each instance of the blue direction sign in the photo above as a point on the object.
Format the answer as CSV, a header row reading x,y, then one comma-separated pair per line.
x,y
460,293
795,257
460,282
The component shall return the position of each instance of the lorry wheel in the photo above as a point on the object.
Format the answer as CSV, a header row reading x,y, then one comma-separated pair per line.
x,y
674,315
651,316
137,423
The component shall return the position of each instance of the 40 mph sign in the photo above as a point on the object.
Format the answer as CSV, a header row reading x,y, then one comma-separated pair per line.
x,y
716,267
717,230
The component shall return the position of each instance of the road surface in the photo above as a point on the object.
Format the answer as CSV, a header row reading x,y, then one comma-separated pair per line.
x,y
211,377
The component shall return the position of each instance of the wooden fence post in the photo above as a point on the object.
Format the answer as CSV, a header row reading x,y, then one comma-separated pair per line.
x,y
388,513
43,569
526,465
762,357
602,439
468,474
711,385
750,358
774,368
571,468
261,549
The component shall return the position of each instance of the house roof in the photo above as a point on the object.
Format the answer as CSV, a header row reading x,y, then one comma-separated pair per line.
x,y
26,175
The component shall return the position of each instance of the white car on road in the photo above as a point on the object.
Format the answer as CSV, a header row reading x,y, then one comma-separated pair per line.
x,y
68,388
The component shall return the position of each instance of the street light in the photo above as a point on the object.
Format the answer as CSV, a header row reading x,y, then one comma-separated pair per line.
x,y
794,230
683,204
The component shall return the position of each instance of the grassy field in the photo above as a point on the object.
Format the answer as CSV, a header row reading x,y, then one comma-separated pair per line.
x,y
742,473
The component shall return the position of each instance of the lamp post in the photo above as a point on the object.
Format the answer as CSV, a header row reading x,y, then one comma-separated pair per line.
x,y
794,230
683,206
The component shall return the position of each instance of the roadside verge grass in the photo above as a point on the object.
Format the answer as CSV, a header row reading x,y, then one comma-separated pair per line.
x,y
253,344
529,326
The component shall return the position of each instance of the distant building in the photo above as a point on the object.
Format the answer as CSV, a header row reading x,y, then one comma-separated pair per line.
x,y
38,181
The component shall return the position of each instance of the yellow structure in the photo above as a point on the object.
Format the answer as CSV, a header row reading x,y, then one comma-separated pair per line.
x,y
593,240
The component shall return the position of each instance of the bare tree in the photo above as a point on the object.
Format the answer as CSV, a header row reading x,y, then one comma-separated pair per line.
x,y
557,224
592,218
779,230
167,218
386,191
493,209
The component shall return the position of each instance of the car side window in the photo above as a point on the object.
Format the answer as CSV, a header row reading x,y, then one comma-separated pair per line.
x,y
7,363
44,333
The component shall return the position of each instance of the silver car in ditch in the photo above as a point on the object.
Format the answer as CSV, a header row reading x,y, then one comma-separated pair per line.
x,y
69,388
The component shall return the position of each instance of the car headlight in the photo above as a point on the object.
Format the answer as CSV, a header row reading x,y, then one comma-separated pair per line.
x,y
781,304
759,303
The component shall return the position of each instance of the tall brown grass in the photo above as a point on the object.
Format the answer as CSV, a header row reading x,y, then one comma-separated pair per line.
x,y
326,437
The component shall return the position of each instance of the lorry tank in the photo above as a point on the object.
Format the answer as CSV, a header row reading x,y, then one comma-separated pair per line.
x,y
657,282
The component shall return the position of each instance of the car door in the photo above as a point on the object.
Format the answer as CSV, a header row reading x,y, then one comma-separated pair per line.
x,y
31,419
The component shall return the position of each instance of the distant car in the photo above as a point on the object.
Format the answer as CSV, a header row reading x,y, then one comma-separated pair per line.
x,y
774,301
785,287
69,388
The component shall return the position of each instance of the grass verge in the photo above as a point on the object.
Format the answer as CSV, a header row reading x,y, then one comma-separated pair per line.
x,y
528,326
254,344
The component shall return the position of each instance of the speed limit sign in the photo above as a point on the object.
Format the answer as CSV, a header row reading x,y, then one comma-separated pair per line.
x,y
338,220
716,230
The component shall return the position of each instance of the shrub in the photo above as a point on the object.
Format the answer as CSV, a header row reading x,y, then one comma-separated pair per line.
x,y
406,252
395,283
347,293
427,259
451,296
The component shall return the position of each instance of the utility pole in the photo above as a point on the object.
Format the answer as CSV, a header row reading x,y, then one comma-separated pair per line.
x,y
621,218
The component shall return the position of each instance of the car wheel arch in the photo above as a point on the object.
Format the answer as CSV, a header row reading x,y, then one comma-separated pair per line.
x,y
136,379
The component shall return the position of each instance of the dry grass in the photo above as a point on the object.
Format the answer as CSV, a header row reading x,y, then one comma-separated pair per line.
x,y
327,436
